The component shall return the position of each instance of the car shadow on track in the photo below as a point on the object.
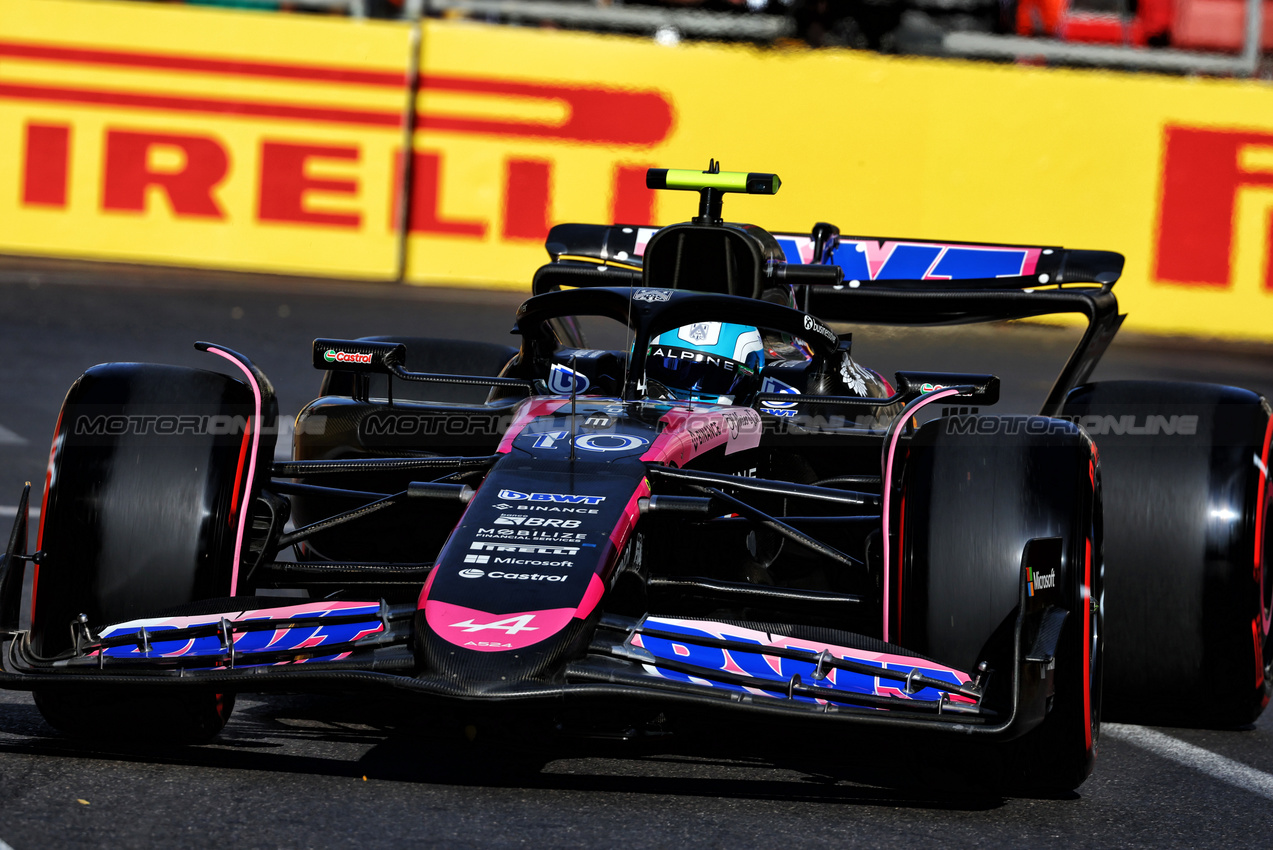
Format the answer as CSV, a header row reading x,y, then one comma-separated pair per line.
x,y
347,737
416,761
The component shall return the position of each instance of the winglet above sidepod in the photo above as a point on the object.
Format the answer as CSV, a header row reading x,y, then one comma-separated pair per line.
x,y
358,355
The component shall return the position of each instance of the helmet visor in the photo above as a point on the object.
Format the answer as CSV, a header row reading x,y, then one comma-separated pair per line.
x,y
687,371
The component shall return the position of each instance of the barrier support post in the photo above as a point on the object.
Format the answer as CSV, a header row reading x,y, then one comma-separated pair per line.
x,y
406,172
1254,36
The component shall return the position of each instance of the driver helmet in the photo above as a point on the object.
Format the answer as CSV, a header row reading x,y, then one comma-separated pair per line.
x,y
715,362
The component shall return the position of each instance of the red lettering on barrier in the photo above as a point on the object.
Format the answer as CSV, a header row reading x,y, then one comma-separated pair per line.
x,y
182,62
631,202
129,172
285,183
46,165
594,114
598,115
527,199
1202,174
423,215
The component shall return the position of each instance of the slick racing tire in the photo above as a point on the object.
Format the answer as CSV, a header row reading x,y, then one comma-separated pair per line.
x,y
1186,511
975,491
426,354
148,479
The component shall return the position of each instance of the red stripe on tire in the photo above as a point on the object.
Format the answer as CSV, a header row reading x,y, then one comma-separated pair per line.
x,y
1266,614
1087,644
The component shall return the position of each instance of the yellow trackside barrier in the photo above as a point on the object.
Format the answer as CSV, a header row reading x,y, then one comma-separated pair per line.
x,y
273,142
157,133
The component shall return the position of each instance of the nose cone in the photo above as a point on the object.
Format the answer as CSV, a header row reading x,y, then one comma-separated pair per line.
x,y
517,589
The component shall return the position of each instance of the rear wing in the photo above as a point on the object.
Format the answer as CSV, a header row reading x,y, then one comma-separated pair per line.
x,y
875,262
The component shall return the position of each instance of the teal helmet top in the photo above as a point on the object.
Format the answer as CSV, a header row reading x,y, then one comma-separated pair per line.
x,y
705,361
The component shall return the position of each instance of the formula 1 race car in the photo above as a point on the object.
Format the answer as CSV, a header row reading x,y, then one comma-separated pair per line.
x,y
724,535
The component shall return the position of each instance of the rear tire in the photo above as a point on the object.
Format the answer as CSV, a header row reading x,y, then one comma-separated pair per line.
x,y
1186,511
976,490
148,479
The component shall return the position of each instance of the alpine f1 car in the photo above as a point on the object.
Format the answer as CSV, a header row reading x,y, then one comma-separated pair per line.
x,y
725,530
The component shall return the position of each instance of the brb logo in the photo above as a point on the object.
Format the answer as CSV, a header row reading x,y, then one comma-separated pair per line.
x,y
1205,173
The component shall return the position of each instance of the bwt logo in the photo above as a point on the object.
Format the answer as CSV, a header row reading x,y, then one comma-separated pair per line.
x,y
1203,173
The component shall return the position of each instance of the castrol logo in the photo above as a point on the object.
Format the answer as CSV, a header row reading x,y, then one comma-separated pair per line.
x,y
334,356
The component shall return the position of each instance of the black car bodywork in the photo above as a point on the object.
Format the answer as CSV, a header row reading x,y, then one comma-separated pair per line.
x,y
527,533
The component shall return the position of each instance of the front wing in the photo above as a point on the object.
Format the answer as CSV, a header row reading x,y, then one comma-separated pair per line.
x,y
659,661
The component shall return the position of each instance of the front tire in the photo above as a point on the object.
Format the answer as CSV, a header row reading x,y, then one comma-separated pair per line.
x,y
147,483
976,491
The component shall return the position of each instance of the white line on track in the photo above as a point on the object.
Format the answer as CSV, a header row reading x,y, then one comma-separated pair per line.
x,y
4,846
1226,770
8,438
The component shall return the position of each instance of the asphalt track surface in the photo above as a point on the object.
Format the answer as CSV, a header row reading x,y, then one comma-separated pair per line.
x,y
303,771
